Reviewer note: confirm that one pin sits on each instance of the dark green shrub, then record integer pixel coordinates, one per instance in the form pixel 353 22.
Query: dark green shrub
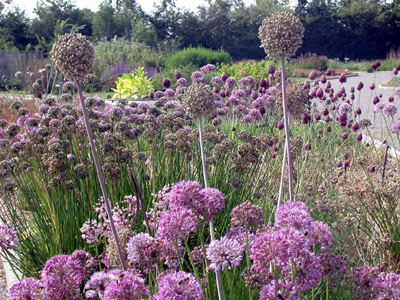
pixel 197 57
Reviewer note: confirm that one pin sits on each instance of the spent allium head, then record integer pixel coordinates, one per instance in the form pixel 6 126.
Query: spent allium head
pixel 199 100
pixel 129 287
pixel 281 34
pixel 293 214
pixel 26 289
pixel 178 286
pixel 247 215
pixel 176 224
pixel 73 55
pixel 8 237
pixel 226 252
pixel 390 110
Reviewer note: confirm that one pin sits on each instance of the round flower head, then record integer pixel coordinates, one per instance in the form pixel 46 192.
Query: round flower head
pixel 281 34
pixel 199 99
pixel 73 55
pixel 27 288
pixel 178 286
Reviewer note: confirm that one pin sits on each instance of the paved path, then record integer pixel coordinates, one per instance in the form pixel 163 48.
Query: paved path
pixel 379 129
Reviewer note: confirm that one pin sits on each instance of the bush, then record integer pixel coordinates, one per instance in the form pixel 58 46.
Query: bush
pixel 311 61
pixel 197 57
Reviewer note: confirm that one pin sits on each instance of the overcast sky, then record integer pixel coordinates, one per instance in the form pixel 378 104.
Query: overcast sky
pixel 147 5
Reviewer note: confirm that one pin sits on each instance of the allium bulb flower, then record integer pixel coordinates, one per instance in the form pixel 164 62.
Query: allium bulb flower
pixel 73 55
pixel 178 286
pixel 390 110
pixel 130 287
pixel 199 100
pixel 225 253
pixel 281 34
pixel 396 126
pixel 8 237
pixel 247 215
pixel 26 289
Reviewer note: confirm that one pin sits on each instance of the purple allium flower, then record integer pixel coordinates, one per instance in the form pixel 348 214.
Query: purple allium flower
pixel 271 69
pixel 320 234
pixel 223 253
pixel 224 77
pixel 247 215
pixel 333 267
pixel 246 119
pixel 255 114
pixel 91 230
pixel 129 287
pixel 182 82
pixel 97 284
pixel 278 290
pixel 312 75
pixel 359 137
pixel 372 86
pixel 387 286
pixel 345 108
pixel 166 83
pixel 397 92
pixel 68 85
pixel 360 86
pixel 307 146
pixel 113 112
pixel 26 289
pixel 8 237
pixel 60 280
pixel 71 156
pixel 342 78
pixel 323 79
pixel 378 107
pixel 396 126
pixel 177 75
pixel 306 85
pixel 159 94
pixel 264 83
pixel 280 125
pixel 216 80
pixel 207 68
pixel 176 224
pixel 390 110
pixel 230 83
pixel 364 278
pixel 178 286
pixel 344 136
pixel 293 214
pixel 197 77
pixel 170 93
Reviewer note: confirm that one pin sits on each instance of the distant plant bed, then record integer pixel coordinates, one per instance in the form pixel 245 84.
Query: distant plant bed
pixel 134 85
pixel 395 82
pixel 311 61
pixel 197 57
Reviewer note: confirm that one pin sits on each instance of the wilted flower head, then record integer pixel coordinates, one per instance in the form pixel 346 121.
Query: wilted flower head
pixel 199 100
pixel 281 34
pixel 73 55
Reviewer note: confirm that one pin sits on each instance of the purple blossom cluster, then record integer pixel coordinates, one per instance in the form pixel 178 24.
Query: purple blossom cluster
pixel 8 238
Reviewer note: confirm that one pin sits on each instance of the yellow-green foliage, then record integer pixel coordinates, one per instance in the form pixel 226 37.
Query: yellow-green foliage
pixel 134 85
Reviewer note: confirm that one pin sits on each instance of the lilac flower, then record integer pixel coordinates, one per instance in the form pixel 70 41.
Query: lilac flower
pixel 396 126
pixel 390 110
pixel 8 238
pixel 97 284
pixel 26 289
pixel 230 83
pixel 178 286
pixel 378 108
pixel 293 214
pixel 224 253
pixel 176 224
pixel 207 68
pixel 345 108
pixel 197 77
pixel 129 287
pixel 247 215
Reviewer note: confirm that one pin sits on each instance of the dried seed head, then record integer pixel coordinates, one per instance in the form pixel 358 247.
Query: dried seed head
pixel 73 55
pixel 281 34
pixel 199 100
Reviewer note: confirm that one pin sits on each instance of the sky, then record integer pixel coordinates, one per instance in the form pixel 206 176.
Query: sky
pixel 146 5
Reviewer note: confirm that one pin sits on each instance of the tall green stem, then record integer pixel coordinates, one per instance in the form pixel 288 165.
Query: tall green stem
pixel 203 162
pixel 99 173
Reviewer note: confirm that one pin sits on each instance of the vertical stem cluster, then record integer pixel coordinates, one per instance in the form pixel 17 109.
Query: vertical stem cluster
pixel 287 153
pixel 203 162
pixel 99 173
